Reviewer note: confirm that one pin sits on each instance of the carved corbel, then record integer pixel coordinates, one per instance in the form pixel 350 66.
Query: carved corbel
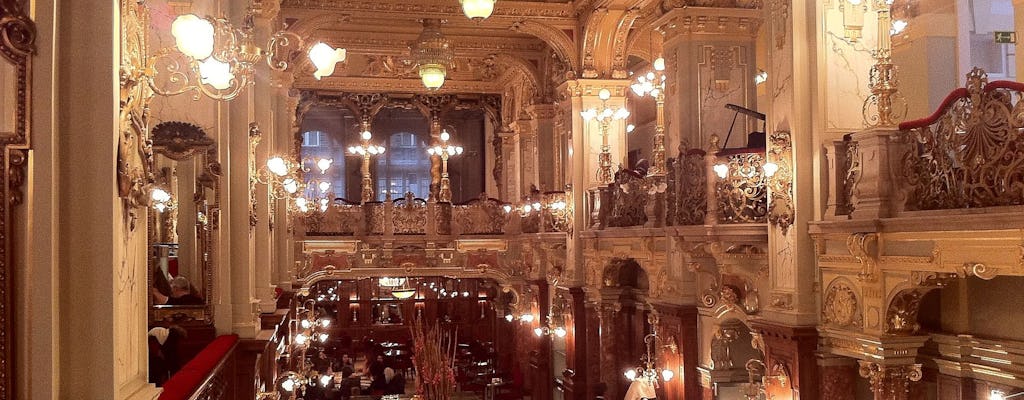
pixel 979 270
pixel 864 247
pixel 710 295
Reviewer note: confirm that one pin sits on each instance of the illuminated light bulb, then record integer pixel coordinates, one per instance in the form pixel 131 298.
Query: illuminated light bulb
pixel 432 75
pixel 630 374
pixel 288 385
pixel 458 149
pixel 216 73
pixel 621 113
pixel 366 135
pixel 630 128
pixel 445 136
pixel 721 170
pixel 507 209
pixel 323 337
pixel 650 76
pixel 160 195
pixel 560 332
pixel 667 374
pixel 160 207
pixel 324 164
pixel 193 36
pixel 527 318
pixel 465 294
pixel 300 339
pixel 509 317
pixel 325 323
pixel 588 114
pixel 300 202
pixel 451 151
pixel 325 380
pixel 477 10
pixel 324 58
pixel 761 77
pixel 306 324
pixel 659 64
pixel 277 166
pixel 604 94
pixel 538 332
pixel 324 186
pixel 527 208
pixel 770 169
pixel 290 185
pixel 898 26
pixel 638 88
pixel 536 206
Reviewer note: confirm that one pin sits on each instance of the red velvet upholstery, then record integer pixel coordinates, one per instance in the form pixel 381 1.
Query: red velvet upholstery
pixel 957 95
pixel 187 380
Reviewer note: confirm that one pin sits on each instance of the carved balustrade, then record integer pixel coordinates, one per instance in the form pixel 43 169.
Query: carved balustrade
pixel 409 216
pixel 968 154
pixel 740 197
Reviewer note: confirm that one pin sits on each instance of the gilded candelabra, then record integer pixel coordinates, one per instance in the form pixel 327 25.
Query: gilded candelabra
pixel 366 150
pixel 605 116
pixel 445 150
pixel 885 106
pixel 653 84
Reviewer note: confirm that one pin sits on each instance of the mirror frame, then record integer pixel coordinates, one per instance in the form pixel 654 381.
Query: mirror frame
pixel 181 141
pixel 17 46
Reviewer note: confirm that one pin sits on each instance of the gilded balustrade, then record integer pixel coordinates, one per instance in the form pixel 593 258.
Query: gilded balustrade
pixel 742 194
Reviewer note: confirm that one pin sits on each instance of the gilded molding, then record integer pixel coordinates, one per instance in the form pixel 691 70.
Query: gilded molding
pixel 890 381
pixel 710 20
pixel 864 247
pixel 841 307
pixel 17 46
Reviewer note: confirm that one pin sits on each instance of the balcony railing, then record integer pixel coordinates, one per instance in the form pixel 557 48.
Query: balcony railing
pixel 969 154
pixel 411 216
pixel 738 193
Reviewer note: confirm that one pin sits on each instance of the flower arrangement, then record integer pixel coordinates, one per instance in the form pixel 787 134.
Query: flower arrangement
pixel 434 358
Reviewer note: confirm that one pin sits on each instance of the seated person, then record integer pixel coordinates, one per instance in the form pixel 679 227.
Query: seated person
pixel 164 360
pixel 181 294
pixel 394 382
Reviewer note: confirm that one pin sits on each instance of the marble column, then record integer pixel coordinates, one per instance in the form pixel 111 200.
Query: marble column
pixel 838 378
pixel 526 148
pixel 547 146
pixel 890 382
pixel 99 291
pixel 263 102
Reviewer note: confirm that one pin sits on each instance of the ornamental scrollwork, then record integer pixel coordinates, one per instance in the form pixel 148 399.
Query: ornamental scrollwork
pixel 971 155
pixel 742 194
pixel 690 179
pixel 889 381
pixel 901 315
pixel 410 215
pixel 629 197
pixel 480 216
pixel 134 150
pixel 841 308
pixel 780 205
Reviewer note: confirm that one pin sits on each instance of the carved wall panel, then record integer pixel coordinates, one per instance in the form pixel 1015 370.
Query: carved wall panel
pixel 629 196
pixel 410 215
pixel 743 194
pixel 841 307
pixel 17 45
pixel 690 177
pixel 480 216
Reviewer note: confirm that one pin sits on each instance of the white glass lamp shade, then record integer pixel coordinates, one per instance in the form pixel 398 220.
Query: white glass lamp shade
pixel 277 166
pixel 638 89
pixel 898 26
pixel 306 324
pixel 509 317
pixel 630 128
pixel 432 75
pixel 721 170
pixel 301 339
pixel 770 169
pixel 621 113
pixel 526 318
pixel 667 374
pixel 160 195
pixel 324 58
pixel 588 114
pixel 288 385
pixel 325 380
pixel 659 64
pixel 324 186
pixel 996 395
pixel 604 94
pixel 445 136
pixel 538 331
pixel 560 332
pixel 324 164
pixel 366 135
pixel 290 185
pixel 630 374
pixel 323 337
pixel 216 73
pixel 193 36
pixel 477 10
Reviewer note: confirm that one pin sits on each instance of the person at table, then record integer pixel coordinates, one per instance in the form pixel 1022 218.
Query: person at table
pixel 376 368
pixel 181 294
pixel 394 382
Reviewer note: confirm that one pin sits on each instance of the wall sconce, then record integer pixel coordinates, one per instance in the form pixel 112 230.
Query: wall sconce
pixel 1000 395
pixel 162 199
pixel 219 58
pixel 853 17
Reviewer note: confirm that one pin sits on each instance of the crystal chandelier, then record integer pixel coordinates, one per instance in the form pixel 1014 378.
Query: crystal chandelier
pixel 477 10
pixel 433 54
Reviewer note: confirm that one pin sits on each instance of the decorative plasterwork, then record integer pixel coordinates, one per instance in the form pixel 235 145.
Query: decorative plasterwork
pixel 890 381
pixel 355 84
pixel 710 20
pixel 134 150
pixel 17 45
pixel 436 8
pixel 841 307
pixel 180 140
pixel 864 247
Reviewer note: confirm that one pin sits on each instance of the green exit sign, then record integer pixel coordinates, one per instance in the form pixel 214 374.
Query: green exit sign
pixel 1005 37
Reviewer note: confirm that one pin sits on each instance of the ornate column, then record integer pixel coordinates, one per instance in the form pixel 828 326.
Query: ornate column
pixel 548 147
pixel 263 98
pixel 838 378
pixel 890 382
pixel 435 160
pixel 679 345
pixel 611 338
pixel 529 159
pixel 512 166
pixel 540 357
pixel 578 343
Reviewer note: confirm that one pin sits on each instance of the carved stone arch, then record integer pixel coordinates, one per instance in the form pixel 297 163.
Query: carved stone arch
pixel 518 68
pixel 591 35
pixel 841 305
pixel 619 40
pixel 625 272
pixel 645 41
pixel 559 41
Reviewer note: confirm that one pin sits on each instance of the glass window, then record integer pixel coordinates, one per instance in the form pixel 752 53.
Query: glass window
pixel 312 138
pixel 405 167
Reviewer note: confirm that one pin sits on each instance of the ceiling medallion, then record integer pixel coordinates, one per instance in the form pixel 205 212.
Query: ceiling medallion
pixel 433 54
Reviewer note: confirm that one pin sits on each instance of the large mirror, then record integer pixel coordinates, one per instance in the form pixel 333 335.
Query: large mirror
pixel 8 98
pixel 182 221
